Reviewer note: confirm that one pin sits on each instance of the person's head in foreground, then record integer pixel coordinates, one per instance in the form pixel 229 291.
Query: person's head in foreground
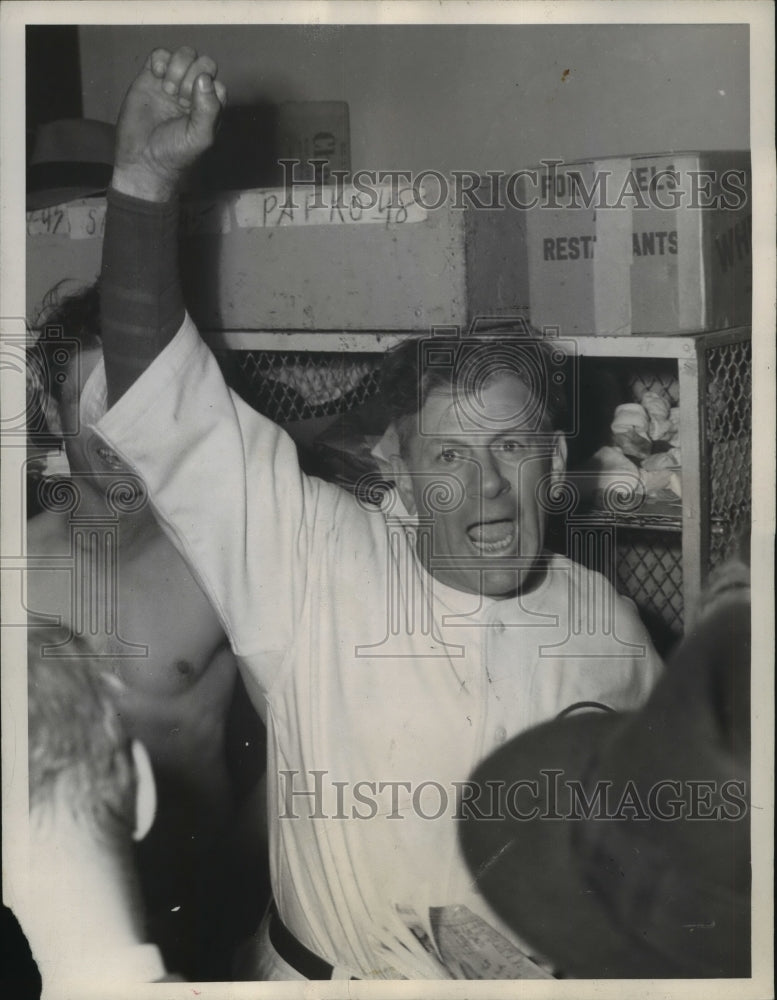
pixel 479 443
pixel 91 794
pixel 68 349
pixel 630 856
pixel 61 360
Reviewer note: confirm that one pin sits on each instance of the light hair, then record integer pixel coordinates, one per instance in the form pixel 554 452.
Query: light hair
pixel 79 751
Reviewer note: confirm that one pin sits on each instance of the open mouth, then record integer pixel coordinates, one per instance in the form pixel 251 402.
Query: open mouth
pixel 492 537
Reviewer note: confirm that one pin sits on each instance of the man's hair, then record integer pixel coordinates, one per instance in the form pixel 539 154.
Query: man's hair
pixel 418 367
pixel 79 752
pixel 74 318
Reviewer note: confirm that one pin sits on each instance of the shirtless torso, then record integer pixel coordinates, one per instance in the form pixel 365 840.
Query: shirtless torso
pixel 166 645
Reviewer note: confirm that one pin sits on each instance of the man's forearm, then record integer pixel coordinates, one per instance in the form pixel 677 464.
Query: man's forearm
pixel 167 120
pixel 140 294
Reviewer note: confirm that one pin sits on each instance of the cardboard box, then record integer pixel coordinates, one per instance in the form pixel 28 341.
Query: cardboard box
pixel 249 263
pixel 63 251
pixel 649 244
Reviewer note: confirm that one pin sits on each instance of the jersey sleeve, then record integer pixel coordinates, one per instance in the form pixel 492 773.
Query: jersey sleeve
pixel 226 487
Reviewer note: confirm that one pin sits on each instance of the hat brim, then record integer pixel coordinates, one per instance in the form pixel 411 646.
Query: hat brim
pixel 528 869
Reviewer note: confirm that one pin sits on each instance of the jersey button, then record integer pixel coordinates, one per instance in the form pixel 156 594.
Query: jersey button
pixel 500 734
pixel 499 627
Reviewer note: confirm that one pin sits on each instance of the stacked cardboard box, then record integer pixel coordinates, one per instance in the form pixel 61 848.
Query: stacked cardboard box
pixel 649 244
pixel 317 260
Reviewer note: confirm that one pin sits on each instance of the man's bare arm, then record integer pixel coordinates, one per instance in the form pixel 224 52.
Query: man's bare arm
pixel 167 120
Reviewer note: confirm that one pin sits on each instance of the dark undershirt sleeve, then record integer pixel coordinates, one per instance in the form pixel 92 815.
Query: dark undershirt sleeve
pixel 141 303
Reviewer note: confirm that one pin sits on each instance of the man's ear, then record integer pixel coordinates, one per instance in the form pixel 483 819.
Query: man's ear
pixel 145 795
pixel 558 462
pixel 402 480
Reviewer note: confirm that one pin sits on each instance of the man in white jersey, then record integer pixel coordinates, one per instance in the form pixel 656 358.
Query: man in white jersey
pixel 389 649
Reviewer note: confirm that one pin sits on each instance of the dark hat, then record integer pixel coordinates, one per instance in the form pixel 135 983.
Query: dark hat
pixel 630 857
pixel 72 158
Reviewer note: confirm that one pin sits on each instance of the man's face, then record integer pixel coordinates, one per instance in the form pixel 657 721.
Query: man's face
pixel 483 449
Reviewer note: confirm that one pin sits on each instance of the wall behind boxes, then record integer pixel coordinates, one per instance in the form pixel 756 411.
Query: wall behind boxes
pixel 483 97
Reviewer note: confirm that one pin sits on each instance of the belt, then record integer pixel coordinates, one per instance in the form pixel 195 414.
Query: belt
pixel 293 951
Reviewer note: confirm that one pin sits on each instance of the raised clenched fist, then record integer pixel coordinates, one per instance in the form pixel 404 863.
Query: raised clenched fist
pixel 167 120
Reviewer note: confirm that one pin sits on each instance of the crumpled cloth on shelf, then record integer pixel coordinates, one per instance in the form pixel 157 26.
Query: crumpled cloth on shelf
pixel 638 428
pixel 630 430
pixel 609 468
pixel 661 471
